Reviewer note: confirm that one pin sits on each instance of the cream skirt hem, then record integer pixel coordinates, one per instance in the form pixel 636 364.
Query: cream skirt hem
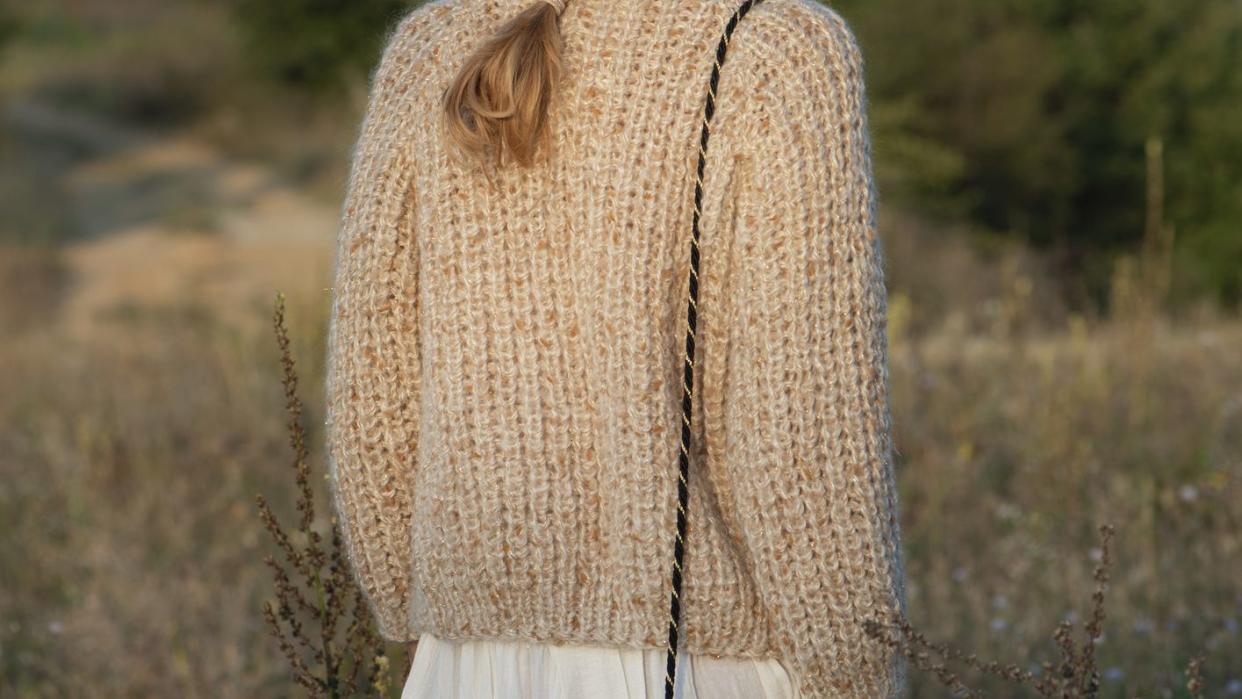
pixel 489 669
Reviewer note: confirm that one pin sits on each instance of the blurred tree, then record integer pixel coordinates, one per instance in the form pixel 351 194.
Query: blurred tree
pixel 1030 118
pixel 317 45
pixel 8 24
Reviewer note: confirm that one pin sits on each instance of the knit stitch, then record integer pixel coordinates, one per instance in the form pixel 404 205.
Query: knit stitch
pixel 505 347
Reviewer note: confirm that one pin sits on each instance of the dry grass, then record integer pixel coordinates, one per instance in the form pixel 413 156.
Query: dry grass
pixel 1013 444
pixel 1076 675
pixel 134 564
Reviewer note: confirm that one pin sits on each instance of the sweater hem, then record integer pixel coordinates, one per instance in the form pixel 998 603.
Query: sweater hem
pixel 561 637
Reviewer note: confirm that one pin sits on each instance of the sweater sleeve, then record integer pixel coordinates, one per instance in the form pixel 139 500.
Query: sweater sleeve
pixel 372 367
pixel 800 416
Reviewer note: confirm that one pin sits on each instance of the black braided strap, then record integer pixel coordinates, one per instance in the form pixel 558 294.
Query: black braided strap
pixel 683 489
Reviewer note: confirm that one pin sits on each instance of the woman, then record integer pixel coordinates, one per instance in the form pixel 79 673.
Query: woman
pixel 507 338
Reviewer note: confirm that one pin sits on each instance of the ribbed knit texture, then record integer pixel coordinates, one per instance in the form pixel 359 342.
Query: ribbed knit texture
pixel 505 347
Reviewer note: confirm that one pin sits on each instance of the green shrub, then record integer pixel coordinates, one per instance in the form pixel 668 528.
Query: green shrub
pixel 316 44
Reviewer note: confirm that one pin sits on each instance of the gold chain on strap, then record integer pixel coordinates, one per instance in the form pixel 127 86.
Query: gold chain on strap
pixel 683 490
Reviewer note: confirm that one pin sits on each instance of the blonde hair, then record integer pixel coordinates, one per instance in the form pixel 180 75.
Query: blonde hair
pixel 499 100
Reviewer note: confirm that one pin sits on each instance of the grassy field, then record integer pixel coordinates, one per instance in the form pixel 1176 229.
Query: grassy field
pixel 141 410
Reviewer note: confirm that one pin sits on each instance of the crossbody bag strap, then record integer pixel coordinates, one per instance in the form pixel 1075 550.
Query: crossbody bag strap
pixel 683 486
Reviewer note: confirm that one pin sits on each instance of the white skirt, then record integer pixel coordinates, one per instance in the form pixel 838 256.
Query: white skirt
pixel 489 669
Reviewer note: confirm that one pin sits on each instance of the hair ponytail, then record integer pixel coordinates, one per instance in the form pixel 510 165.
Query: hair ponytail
pixel 500 98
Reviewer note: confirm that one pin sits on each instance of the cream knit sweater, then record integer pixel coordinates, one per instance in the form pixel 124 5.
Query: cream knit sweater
pixel 505 349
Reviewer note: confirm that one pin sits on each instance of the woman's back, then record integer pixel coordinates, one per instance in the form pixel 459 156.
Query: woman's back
pixel 506 347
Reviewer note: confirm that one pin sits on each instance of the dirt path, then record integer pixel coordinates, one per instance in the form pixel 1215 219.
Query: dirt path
pixel 166 223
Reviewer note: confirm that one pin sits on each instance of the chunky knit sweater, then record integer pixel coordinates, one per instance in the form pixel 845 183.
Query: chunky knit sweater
pixel 506 346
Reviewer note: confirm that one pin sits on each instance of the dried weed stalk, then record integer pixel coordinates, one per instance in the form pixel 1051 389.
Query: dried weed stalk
pixel 320 618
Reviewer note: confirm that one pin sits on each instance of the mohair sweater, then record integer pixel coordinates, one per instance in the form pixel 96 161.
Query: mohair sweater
pixel 506 347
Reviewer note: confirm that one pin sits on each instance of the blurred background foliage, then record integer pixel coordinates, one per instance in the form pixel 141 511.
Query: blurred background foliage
pixel 316 44
pixel 1031 118
pixel 1061 209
